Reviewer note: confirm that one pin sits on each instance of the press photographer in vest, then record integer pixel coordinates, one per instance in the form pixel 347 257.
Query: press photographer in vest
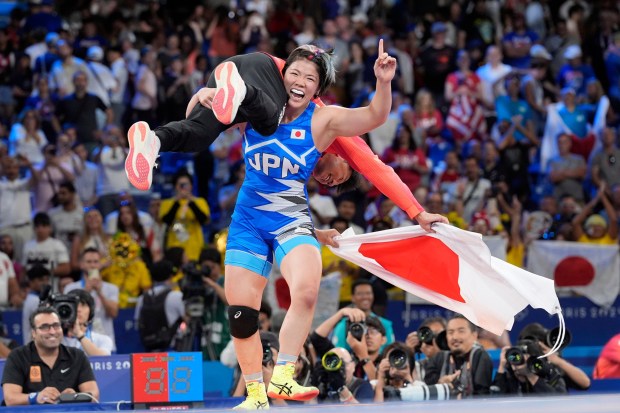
pixel 159 311
pixel 80 333
pixel 39 372
pixel 466 365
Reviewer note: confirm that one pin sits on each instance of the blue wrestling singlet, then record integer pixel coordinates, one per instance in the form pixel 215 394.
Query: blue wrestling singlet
pixel 272 213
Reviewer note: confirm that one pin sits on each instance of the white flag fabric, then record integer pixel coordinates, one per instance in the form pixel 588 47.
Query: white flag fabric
pixel 497 245
pixel 452 268
pixel 590 270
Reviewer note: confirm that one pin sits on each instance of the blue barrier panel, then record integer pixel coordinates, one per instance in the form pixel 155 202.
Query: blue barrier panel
pixel 217 379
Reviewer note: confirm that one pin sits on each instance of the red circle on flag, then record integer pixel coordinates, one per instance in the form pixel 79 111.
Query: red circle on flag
pixel 297 134
pixel 573 271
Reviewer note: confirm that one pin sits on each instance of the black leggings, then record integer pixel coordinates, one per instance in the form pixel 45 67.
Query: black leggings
pixel 262 107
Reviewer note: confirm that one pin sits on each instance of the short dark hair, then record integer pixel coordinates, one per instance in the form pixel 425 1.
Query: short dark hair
pixel 86 299
pixel 90 250
pixel 68 185
pixel 42 310
pixel 265 307
pixel 41 219
pixel 434 320
pixel 37 271
pixel 357 283
pixel 376 323
pixel 535 330
pixel 472 326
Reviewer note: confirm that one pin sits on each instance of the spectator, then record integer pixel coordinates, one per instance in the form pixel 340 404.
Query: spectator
pixel 80 335
pixel 126 270
pixel 185 215
pixel 361 298
pixel 21 80
pixel 537 86
pixel 437 61
pixel 43 101
pixel 7 57
pixel 597 230
pixel 425 120
pixel 477 27
pixel 407 159
pixel 608 364
pixel 8 247
pixel 105 295
pixel 466 364
pixel 101 81
pixel 91 235
pixel 110 159
pixel 517 378
pixel 38 282
pixel 128 222
pixel 606 162
pixel 46 250
pixel 566 170
pixel 471 190
pixel 86 176
pixel 612 65
pixel 26 137
pixel 223 34
pixel 68 217
pixel 119 71
pixel 160 229
pixel 63 71
pixel 518 43
pixel 10 295
pixel 124 198
pixel 574 74
pixel 347 209
pixel 26 361
pixel 322 207
pixel 15 204
pixel 43 63
pixel 80 109
pixel 491 75
pixel 177 90
pixel 144 101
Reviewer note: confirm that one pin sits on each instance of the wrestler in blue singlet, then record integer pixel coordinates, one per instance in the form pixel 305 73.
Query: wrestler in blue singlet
pixel 272 214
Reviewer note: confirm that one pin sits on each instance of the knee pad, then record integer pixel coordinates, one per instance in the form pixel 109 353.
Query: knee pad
pixel 243 321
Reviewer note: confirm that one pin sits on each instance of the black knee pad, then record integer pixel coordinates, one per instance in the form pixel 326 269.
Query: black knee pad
pixel 243 321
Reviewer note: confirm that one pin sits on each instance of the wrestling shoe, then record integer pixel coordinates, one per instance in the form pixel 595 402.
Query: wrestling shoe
pixel 143 151
pixel 284 387
pixel 256 399
pixel 230 92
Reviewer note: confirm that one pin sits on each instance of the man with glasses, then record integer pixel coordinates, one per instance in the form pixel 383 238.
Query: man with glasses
pixel 39 372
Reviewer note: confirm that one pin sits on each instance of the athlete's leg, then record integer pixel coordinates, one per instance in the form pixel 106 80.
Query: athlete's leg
pixel 301 268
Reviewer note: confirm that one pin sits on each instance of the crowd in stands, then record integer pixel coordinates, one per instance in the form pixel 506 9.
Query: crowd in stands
pixel 505 119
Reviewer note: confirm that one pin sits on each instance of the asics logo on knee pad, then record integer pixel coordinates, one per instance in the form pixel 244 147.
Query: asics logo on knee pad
pixel 243 321
pixel 237 314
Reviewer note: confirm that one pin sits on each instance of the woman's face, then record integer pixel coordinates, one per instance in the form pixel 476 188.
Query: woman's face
pixel 93 219
pixel 183 185
pixel 301 81
pixel 404 137
pixel 126 216
pixel 332 170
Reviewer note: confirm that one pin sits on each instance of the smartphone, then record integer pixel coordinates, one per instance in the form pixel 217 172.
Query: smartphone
pixel 92 274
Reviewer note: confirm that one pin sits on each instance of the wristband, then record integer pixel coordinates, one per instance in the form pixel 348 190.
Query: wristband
pixel 81 338
pixel 364 361
pixel 32 398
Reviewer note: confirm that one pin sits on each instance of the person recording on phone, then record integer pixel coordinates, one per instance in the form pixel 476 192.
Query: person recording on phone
pixel 522 372
pixel 80 334
pixel 365 335
pixel 45 370
pixel 104 294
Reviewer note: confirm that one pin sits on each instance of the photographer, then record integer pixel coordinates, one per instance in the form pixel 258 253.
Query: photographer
pixel 429 340
pixel 397 380
pixel 521 372
pixel 215 320
pixel 333 376
pixel 574 377
pixel 364 345
pixel 159 311
pixel 466 365
pixel 45 370
pixel 80 334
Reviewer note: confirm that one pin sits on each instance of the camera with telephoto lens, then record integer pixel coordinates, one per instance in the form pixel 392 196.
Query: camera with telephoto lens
pixel 331 361
pixel 192 284
pixel 357 330
pixel 426 336
pixel 398 359
pixel 66 307
pixel 516 357
pixel 329 376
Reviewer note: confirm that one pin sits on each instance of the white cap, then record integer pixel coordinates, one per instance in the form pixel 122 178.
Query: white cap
pixel 572 52
pixel 539 51
pixel 95 53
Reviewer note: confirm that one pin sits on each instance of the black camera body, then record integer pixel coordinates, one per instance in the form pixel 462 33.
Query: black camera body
pixel 426 336
pixel 515 356
pixel 66 305
pixel 398 359
pixel 267 353
pixel 357 330
pixel 192 284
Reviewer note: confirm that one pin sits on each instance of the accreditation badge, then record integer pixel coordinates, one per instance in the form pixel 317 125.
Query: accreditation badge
pixel 35 374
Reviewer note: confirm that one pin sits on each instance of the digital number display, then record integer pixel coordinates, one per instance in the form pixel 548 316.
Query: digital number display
pixel 166 377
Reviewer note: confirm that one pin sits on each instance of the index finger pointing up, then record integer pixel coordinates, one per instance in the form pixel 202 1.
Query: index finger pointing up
pixel 380 48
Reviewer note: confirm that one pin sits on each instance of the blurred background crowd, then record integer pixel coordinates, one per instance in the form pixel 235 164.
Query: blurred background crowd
pixel 505 119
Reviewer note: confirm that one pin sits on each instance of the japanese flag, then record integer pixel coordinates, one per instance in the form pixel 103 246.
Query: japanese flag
pixel 451 268
pixel 298 134
pixel 587 269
